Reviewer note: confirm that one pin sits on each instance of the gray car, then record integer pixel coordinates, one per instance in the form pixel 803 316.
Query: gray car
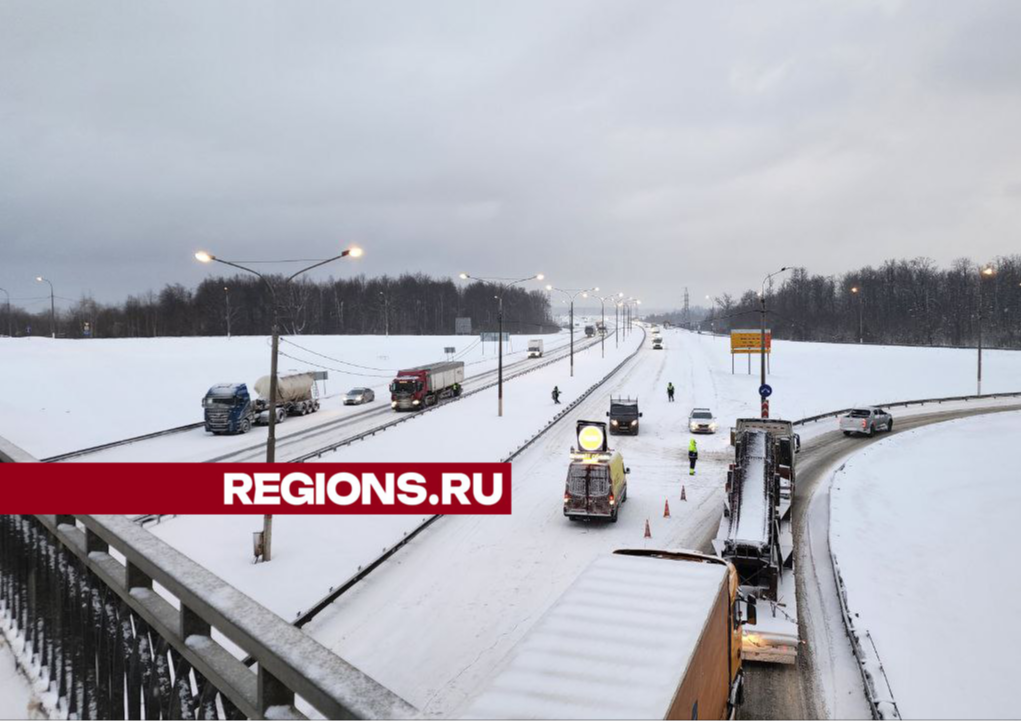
pixel 357 396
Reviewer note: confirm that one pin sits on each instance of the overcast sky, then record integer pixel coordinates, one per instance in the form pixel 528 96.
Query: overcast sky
pixel 638 146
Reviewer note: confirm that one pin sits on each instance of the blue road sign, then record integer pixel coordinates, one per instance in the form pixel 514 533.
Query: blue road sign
pixel 765 390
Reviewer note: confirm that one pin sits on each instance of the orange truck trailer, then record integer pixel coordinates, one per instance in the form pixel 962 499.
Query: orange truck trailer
pixel 639 634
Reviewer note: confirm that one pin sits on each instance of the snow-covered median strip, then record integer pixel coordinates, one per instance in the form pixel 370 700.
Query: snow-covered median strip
pixel 917 522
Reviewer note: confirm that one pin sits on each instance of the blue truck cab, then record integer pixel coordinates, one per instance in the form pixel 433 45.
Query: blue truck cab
pixel 228 409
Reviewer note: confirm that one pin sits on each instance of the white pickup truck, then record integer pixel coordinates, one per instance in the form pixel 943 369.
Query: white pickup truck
pixel 866 421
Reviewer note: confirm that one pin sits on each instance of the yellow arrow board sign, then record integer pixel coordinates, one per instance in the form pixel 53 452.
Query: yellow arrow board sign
pixel 749 341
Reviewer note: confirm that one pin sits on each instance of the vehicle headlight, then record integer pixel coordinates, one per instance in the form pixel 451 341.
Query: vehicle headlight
pixel 415 402
pixel 634 423
pixel 613 423
pixel 712 426
pixel 393 404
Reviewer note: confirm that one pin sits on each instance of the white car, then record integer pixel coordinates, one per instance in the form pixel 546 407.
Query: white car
pixel 701 420
pixel 866 421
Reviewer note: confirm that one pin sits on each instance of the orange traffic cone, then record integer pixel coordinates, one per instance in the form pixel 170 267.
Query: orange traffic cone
pixel 648 530
pixel 666 508
pixel 683 496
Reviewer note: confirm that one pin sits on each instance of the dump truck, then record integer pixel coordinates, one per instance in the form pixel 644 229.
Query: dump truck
pixel 417 388
pixel 755 533
pixel 639 634
pixel 229 408
pixel 535 348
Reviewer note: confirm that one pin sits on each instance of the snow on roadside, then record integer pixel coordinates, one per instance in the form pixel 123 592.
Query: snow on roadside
pixel 313 553
pixel 73 394
pixel 15 692
pixel 919 524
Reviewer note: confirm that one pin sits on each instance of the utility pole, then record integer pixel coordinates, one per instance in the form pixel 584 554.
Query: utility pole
pixel 226 298
pixel 271 438
pixel 571 294
pixel 861 321
pixel 504 284
pixel 762 347
pixel 10 325
pixel 53 308
pixel 987 272
pixel 687 311
pixel 386 313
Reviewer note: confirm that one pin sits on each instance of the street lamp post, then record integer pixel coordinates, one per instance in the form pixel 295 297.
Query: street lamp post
pixel 861 323
pixel 204 257
pixel 10 324
pixel 987 272
pixel 386 313
pixel 504 284
pixel 616 322
pixel 602 305
pixel 226 300
pixel 571 294
pixel 762 346
pixel 53 310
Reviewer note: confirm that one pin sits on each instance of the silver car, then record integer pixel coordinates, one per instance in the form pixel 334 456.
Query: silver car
pixel 701 420
pixel 357 396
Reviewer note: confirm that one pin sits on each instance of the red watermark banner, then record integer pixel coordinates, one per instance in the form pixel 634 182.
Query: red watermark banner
pixel 256 488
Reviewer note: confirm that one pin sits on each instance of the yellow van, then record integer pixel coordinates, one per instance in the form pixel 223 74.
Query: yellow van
pixel 596 478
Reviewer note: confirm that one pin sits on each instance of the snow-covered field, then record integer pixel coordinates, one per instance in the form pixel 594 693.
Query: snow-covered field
pixel 922 525
pixel 72 394
pixel 434 622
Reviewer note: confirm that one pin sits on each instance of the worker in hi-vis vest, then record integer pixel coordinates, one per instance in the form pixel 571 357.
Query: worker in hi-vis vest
pixel 692 456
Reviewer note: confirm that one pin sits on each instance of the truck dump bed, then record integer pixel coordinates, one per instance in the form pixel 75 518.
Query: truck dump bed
pixel 632 637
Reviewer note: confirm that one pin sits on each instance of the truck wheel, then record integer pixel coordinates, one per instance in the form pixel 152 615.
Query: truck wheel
pixel 613 518
pixel 889 426
pixel 281 415
pixel 246 425
pixel 872 430
pixel 847 433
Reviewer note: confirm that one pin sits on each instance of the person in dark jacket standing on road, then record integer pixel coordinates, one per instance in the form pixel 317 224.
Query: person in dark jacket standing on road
pixel 556 395
pixel 670 392
pixel 692 456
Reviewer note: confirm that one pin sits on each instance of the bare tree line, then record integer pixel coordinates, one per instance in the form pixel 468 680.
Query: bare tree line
pixel 911 302
pixel 411 304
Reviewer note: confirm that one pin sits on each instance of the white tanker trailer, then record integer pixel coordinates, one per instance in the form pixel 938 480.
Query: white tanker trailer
pixel 230 409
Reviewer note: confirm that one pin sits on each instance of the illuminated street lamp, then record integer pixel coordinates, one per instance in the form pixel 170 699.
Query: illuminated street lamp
pixel 571 294
pixel 205 257
pixel 861 302
pixel 53 310
pixel 504 284
pixel 987 272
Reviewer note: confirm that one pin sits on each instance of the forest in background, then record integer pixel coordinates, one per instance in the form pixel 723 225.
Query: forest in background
pixel 406 305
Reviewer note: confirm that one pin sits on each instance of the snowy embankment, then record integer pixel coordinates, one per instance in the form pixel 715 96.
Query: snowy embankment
pixel 920 524
pixel 64 395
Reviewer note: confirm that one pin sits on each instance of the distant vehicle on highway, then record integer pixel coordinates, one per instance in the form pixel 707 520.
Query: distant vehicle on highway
pixel 357 396
pixel 228 408
pixel 701 420
pixel 623 415
pixel 866 421
pixel 590 330
pixel 535 348
pixel 657 343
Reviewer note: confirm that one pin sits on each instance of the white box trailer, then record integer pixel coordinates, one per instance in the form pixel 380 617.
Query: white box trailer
pixel 639 634
pixel 535 348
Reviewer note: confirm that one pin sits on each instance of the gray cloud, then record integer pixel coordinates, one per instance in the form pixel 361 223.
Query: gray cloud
pixel 643 146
